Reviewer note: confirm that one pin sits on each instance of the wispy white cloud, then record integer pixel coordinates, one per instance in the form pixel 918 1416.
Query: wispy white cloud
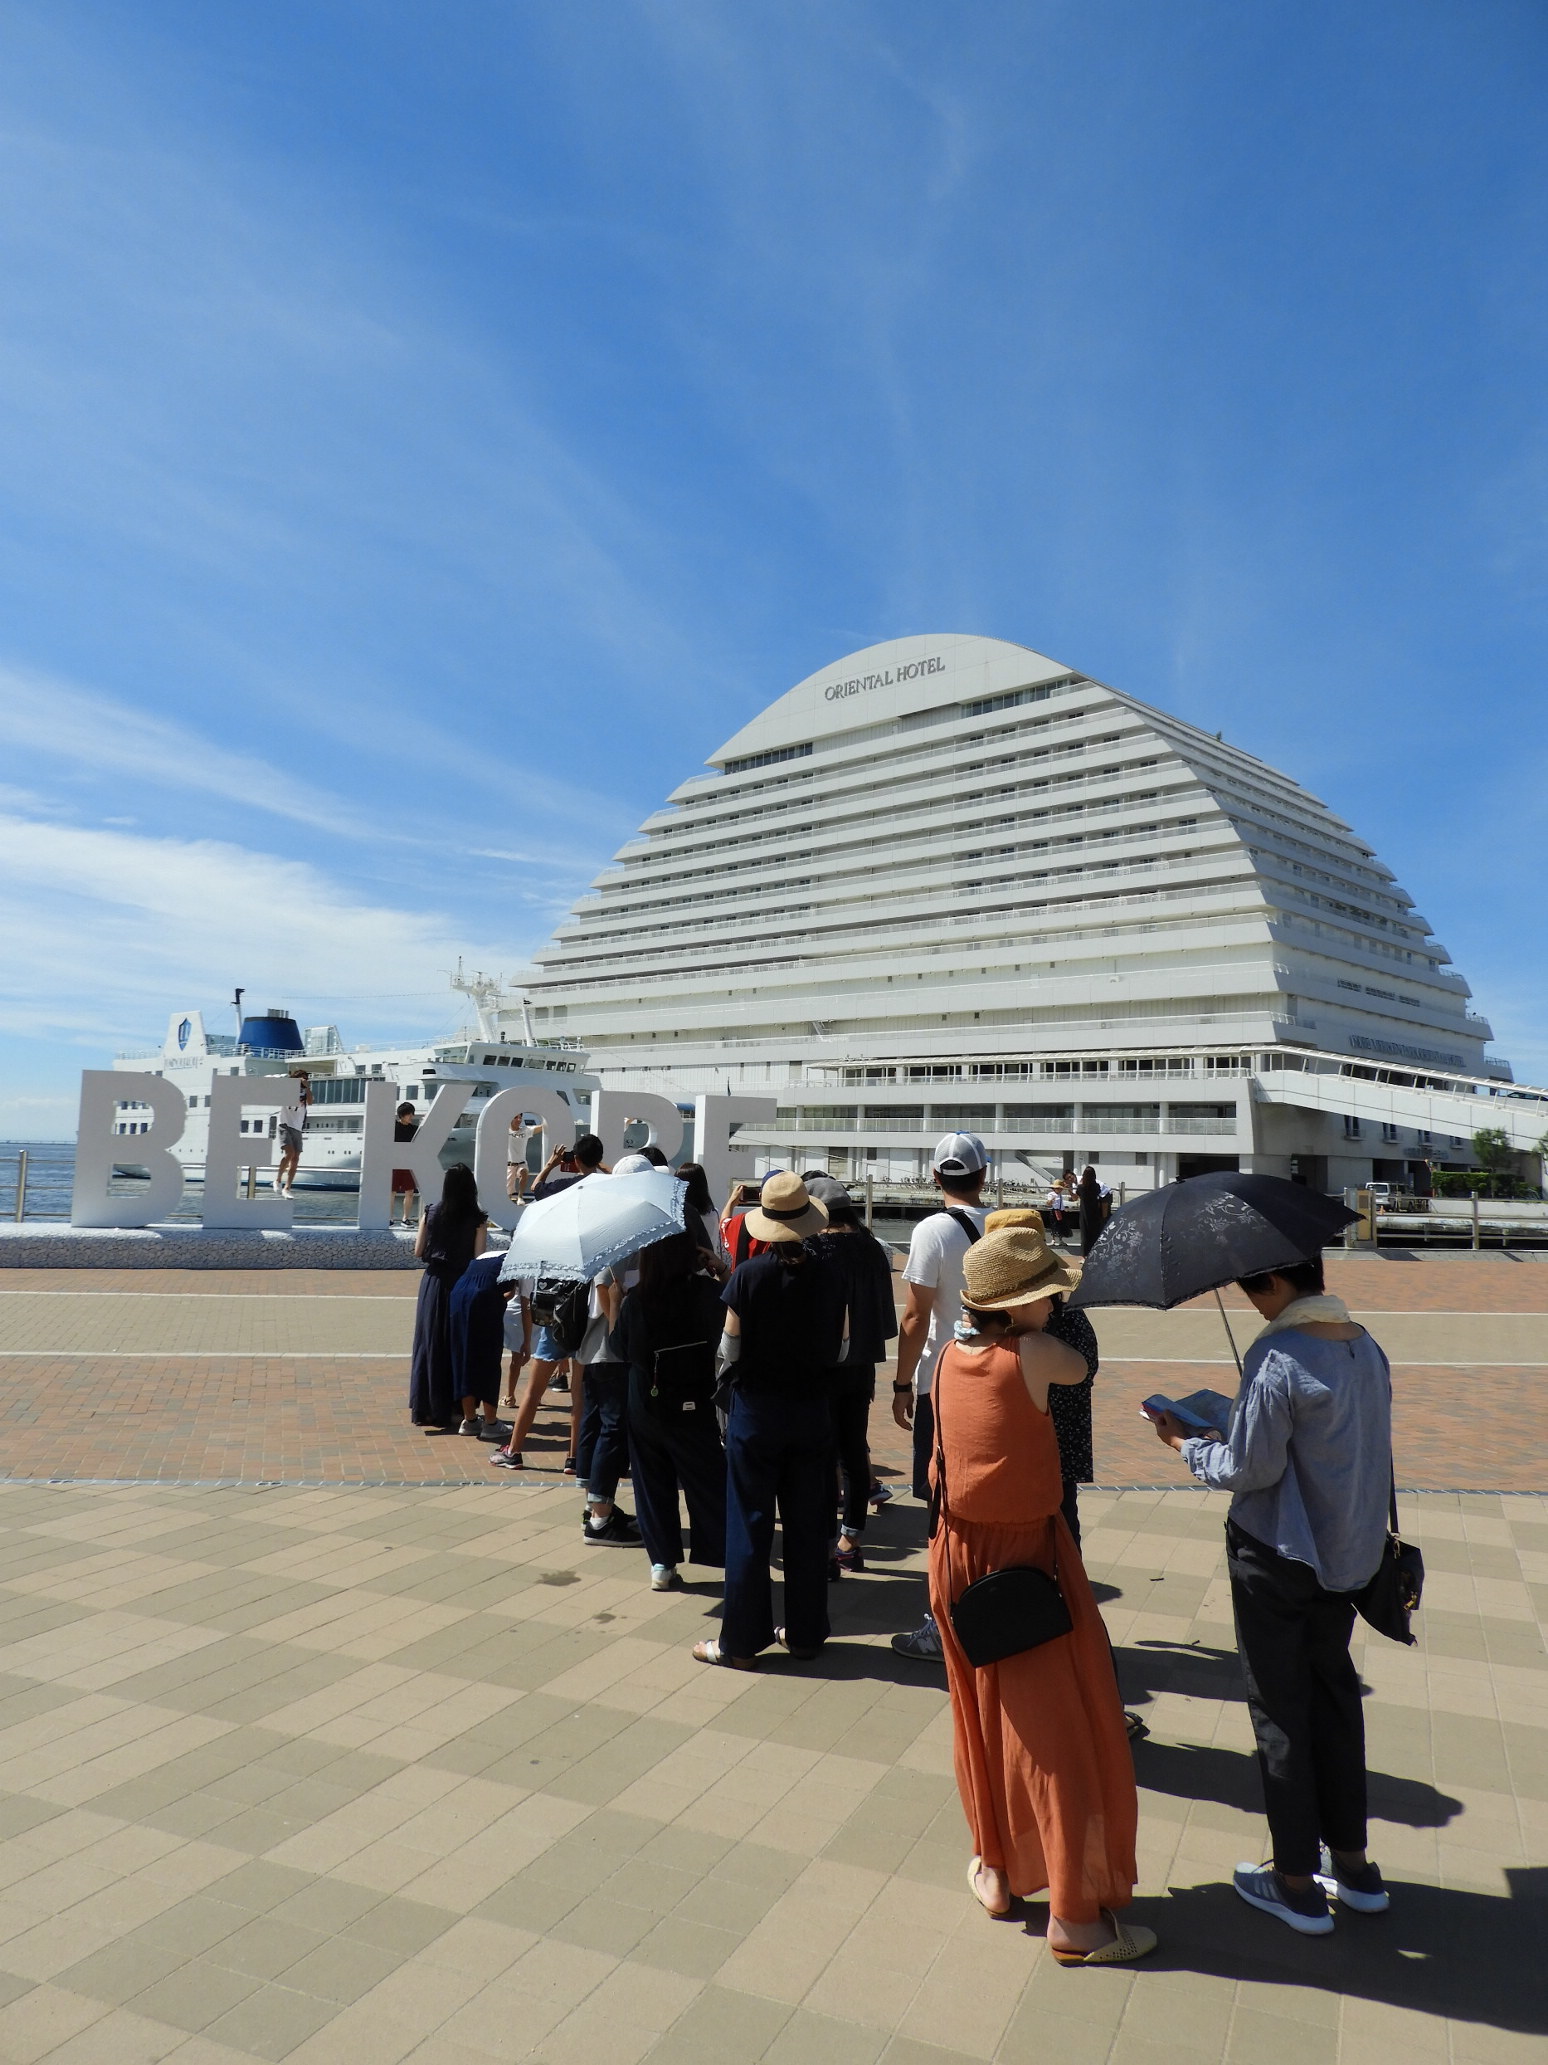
pixel 44 715
pixel 102 933
pixel 83 730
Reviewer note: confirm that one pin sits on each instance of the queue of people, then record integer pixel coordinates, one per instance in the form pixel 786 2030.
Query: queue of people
pixel 738 1390
pixel 1078 1207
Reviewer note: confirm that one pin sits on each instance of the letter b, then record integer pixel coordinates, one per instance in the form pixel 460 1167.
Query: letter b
pixel 98 1148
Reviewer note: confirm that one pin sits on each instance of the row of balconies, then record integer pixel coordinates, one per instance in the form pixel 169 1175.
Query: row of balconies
pixel 994 795
pixel 1092 1122
pixel 717 905
pixel 623 968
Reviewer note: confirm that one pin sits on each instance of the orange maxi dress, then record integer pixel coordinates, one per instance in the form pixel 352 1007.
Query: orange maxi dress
pixel 1042 1757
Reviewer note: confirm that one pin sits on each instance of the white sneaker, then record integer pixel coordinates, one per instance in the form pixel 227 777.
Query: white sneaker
pixel 664 1577
pixel 468 1427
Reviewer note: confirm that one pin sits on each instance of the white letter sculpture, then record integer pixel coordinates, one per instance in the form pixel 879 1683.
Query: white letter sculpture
pixel 230 1150
pixel 494 1132
pixel 380 1154
pixel 613 1111
pixel 98 1148
pixel 716 1118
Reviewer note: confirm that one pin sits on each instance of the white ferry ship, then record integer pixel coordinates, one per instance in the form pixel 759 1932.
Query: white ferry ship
pixel 497 1052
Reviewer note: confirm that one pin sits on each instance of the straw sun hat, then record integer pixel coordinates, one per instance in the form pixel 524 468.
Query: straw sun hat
pixel 786 1210
pixel 1014 1266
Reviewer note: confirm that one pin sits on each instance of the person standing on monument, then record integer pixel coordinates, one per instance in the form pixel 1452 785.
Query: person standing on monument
pixel 292 1127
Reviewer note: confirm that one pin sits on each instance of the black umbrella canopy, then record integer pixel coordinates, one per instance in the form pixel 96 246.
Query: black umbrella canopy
pixel 1172 1244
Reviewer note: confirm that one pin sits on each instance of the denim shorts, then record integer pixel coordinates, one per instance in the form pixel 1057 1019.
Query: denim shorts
pixel 545 1348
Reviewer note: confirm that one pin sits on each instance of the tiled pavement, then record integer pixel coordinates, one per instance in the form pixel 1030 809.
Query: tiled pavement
pixel 364 1775
pixel 303 1377
pixel 380 1774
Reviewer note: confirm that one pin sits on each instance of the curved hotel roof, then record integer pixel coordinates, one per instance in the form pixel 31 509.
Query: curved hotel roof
pixel 951 849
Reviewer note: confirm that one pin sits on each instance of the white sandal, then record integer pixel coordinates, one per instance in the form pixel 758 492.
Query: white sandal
pixel 711 1652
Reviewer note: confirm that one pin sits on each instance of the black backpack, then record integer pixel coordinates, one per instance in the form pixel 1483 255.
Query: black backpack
pixel 562 1305
pixel 682 1375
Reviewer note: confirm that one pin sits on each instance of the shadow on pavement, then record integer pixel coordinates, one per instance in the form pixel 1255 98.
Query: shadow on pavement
pixel 1184 1667
pixel 1472 1957
pixel 1199 1772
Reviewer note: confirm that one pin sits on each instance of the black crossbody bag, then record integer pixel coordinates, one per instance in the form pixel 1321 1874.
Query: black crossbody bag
pixel 1391 1599
pixel 1007 1611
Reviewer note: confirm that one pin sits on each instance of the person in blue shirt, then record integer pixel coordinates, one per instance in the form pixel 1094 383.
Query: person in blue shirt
pixel 1308 1460
pixel 477 1341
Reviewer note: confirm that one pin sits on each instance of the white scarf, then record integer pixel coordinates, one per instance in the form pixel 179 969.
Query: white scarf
pixel 1322 1309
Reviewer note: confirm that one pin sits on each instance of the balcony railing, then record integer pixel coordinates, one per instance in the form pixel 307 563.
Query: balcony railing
pixel 793 1125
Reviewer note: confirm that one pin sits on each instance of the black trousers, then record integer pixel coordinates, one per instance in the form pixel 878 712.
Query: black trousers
pixel 1303 1694
pixel 674 1447
pixel 603 1455
pixel 1069 1506
pixel 778 1455
pixel 850 1392
pixel 924 1443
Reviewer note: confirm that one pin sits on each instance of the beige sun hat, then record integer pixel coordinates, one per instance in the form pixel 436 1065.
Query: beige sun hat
pixel 786 1210
pixel 1014 1266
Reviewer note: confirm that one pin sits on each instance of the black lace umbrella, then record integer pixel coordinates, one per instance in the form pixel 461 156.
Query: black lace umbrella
pixel 1172 1244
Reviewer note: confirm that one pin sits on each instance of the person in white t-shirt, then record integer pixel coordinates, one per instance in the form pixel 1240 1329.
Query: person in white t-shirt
pixel 292 1125
pixel 933 1273
pixel 517 1174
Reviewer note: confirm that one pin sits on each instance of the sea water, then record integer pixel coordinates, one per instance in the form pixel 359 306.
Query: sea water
pixel 51 1174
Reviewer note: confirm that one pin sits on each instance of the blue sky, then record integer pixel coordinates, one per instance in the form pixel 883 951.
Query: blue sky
pixel 425 434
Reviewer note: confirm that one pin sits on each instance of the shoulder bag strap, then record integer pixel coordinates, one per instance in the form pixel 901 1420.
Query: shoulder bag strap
pixel 938 1504
pixel 962 1219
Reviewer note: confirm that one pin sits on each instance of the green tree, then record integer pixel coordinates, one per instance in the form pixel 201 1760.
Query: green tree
pixel 1492 1151
pixel 1497 1158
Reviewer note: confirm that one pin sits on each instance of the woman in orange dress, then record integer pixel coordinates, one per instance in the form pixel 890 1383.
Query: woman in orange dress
pixel 1042 1757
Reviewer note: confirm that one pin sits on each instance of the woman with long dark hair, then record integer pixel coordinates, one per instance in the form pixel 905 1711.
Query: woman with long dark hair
pixel 1094 1199
pixel 866 1268
pixel 700 1216
pixel 784 1331
pixel 667 1332
pixel 450 1234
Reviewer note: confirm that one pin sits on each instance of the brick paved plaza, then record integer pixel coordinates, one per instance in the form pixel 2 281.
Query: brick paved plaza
pixel 317 1745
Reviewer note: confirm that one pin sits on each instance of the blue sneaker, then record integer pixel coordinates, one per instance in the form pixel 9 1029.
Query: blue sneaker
pixel 1262 1887
pixel 1363 1891
pixel 923 1643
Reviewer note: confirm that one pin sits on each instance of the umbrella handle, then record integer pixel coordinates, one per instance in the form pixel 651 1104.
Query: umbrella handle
pixel 1225 1322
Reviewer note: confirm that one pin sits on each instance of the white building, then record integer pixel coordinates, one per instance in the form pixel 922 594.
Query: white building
pixel 948 882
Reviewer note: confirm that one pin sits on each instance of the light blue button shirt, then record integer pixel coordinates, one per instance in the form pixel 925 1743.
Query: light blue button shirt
pixel 1309 1453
